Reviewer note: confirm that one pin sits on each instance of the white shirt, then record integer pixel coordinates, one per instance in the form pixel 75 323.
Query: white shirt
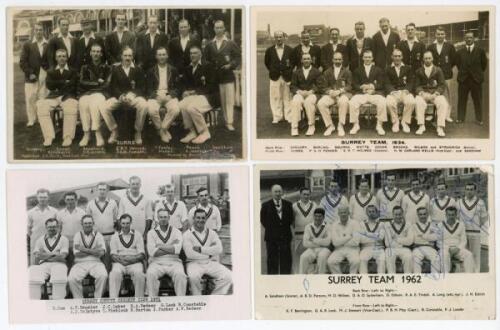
pixel 67 42
pixel 470 48
pixel 218 42
pixel 104 214
pixel 397 68
pixel 40 45
pixel 70 221
pixel 306 49
pixel 214 221
pixel 152 38
pixel 138 207
pixel 385 36
pixel 184 42
pixel 334 46
pixel 439 47
pixel 306 71
pixel 411 43
pixel 359 44
pixel 36 221
pixel 87 39
pixel 126 70
pixel 428 70
pixel 162 73
pixel 177 211
pixel 279 51
pixel 61 70
pixel 367 69
pixel 336 71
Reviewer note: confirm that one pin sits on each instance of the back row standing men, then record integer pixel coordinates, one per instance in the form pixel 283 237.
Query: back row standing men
pixel 431 85
pixel 40 58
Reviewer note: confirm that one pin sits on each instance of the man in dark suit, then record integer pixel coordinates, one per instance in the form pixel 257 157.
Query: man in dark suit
pixel 62 82
pixel 278 61
pixel 412 49
pixel 127 88
pixel 334 45
pixel 225 55
pixel 33 62
pixel 304 89
pixel 399 90
pixel 384 42
pixel 178 47
pixel 335 86
pixel 444 57
pixel 368 82
pixel 276 216
pixel 147 44
pixel 162 90
pixel 120 38
pixel 63 40
pixel 199 96
pixel 429 88
pixel 306 46
pixel 471 63
pixel 356 46
pixel 84 44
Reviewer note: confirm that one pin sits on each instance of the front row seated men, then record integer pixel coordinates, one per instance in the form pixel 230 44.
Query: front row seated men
pixel 62 84
pixel 439 243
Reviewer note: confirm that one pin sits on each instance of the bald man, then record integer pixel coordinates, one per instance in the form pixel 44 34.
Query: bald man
pixel 276 216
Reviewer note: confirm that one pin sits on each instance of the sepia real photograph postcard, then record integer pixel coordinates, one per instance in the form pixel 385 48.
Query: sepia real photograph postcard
pixel 374 242
pixel 131 83
pixel 128 245
pixel 356 83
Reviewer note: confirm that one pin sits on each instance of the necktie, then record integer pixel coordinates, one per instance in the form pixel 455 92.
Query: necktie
pixel 469 49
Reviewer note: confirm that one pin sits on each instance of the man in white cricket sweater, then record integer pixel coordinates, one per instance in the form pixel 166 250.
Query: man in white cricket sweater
pixel 397 242
pixel 316 241
pixel 303 214
pixel 164 245
pixel 372 242
pixel 202 247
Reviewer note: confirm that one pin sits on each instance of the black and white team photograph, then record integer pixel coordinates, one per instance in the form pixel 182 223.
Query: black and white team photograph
pixel 393 73
pixel 129 83
pixel 432 221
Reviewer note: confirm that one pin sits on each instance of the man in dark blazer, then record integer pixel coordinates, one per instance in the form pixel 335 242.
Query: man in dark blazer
pixel 225 55
pixel 368 82
pixel 120 38
pixel 444 57
pixel 429 88
pixel 33 62
pixel 471 63
pixel 334 45
pixel 306 46
pixel 304 88
pixel 413 50
pixel 127 88
pixel 178 47
pixel 356 46
pixel 198 97
pixel 276 216
pixel 85 43
pixel 162 90
pixel 335 85
pixel 384 42
pixel 278 60
pixel 400 86
pixel 63 40
pixel 147 43
pixel 62 82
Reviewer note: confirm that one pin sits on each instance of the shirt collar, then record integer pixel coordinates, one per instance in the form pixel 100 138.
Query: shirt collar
pixel 65 67
pixel 197 64
pixel 385 34
pixel 149 32
pixel 368 66
pixel 331 42
pixel 414 40
pixel 131 65
pixel 92 36
pixel 223 38
pixel 116 29
pixel 400 66
pixel 280 47
pixel 322 224
pixel 129 233
pixel 362 39
pixel 428 68
pixel 44 41
pixel 435 41
pixel 61 36
pixel 185 38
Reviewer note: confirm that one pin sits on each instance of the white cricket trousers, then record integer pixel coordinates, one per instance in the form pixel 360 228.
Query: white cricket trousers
pixel 279 98
pixel 441 109
pixel 70 112
pixel 139 104
pixel 217 272
pixel 34 91
pixel 80 270
pixel 173 269
pixel 368 253
pixel 116 277
pixel 474 246
pixel 403 253
pixel 193 109
pixel 90 111
pixel 339 254
pixel 359 99
pixel 429 253
pixel 396 98
pixel 227 92
pixel 172 111
pixel 38 274
pixel 307 259
pixel 308 104
pixel 326 102
pixel 464 255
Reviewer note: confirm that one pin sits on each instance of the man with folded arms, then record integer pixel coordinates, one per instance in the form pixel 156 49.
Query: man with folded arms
pixel 127 89
pixel 164 245
pixel 198 98
pixel 88 248
pixel 335 85
pixel 316 241
pixel 162 82
pixel 368 81
pixel 127 254
pixel 62 84
pixel 399 89
pixel 429 88
pixel 424 234
pixel 304 88
pixel 203 248
pixel 397 242
pixel 213 220
pixel 345 239
pixel 371 237
pixel 94 81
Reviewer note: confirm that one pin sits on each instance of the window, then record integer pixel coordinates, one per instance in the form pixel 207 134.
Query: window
pixel 190 184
